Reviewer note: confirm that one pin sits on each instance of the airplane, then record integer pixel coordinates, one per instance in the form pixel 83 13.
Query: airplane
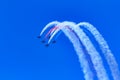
pixel 38 36
pixel 43 41
pixel 54 41
pixel 49 37
pixel 47 45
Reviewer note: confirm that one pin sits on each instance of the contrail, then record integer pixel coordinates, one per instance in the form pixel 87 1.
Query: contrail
pixel 77 36
pixel 49 25
pixel 77 46
pixel 105 49
pixel 96 59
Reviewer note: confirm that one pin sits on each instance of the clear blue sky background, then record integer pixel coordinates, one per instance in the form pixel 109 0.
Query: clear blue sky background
pixel 24 57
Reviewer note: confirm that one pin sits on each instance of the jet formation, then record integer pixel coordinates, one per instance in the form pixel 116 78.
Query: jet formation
pixel 44 42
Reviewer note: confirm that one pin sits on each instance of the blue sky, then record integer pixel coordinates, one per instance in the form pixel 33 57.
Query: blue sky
pixel 24 57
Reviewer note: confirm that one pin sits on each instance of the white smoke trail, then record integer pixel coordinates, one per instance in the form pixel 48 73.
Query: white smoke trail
pixel 96 59
pixel 105 49
pixel 91 50
pixel 88 75
pixel 49 25
pixel 57 30
pixel 54 33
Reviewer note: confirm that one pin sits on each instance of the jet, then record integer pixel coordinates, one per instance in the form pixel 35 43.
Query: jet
pixel 54 41
pixel 47 45
pixel 38 36
pixel 49 37
pixel 43 41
